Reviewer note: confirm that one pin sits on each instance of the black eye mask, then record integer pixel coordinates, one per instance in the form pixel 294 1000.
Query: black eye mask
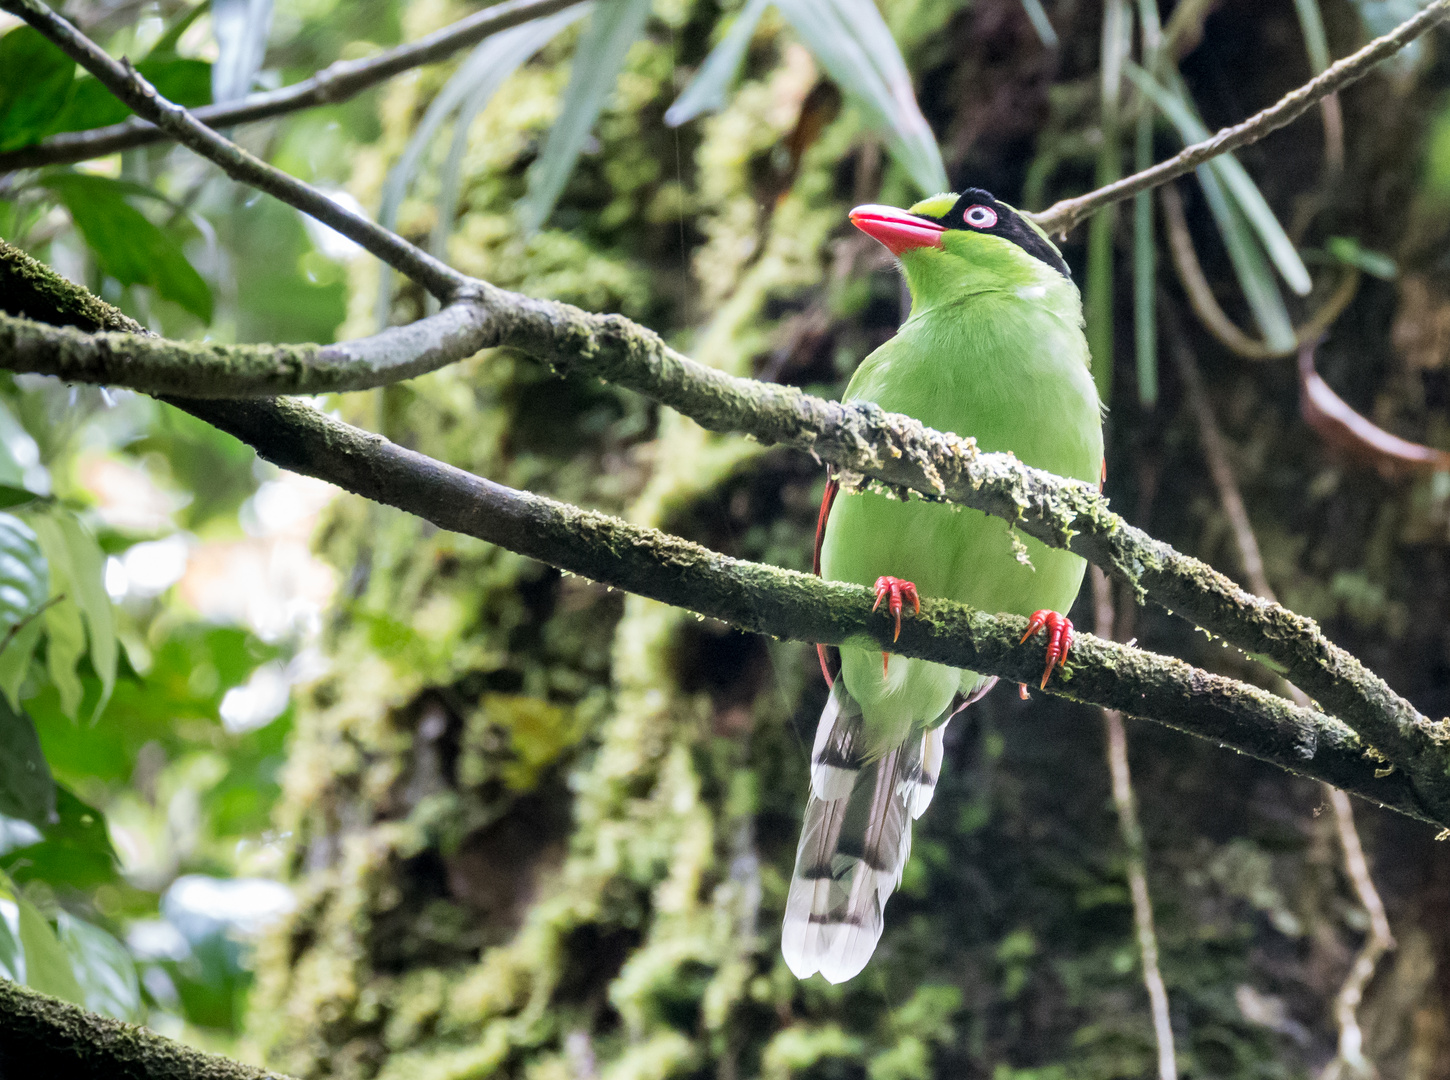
pixel 1008 225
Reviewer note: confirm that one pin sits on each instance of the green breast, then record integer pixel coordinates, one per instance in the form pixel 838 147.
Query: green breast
pixel 1007 371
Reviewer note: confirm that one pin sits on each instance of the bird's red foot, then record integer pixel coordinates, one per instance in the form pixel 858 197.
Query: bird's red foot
pixel 895 592
pixel 1059 639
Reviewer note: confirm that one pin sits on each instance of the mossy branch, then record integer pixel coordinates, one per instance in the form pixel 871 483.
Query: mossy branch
pixel 44 1036
pixel 857 437
pixel 888 448
pixel 752 596
pixel 206 369
pixel 788 604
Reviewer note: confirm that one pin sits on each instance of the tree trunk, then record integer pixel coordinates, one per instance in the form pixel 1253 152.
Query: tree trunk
pixel 542 829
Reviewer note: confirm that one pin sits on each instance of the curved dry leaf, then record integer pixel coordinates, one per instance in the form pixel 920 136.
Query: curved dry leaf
pixel 1353 435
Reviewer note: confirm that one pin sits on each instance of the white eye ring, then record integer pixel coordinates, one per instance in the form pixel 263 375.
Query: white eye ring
pixel 980 217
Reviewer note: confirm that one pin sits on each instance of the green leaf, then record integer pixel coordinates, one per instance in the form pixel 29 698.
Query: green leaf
pixel 1174 103
pixel 475 81
pixel 706 91
pixel 167 42
pixel 613 28
pixel 1255 278
pixel 851 40
pixel 1349 251
pixel 74 849
pixel 75 556
pixel 65 644
pixel 91 105
pixel 19 482
pixel 240 28
pixel 1311 25
pixel 1145 273
pixel 15 660
pixel 26 788
pixel 37 80
pixel 126 244
pixel 47 967
pixel 12 478
pixel 1037 16
pixel 202 460
pixel 103 969
pixel 24 572
pixel 12 958
pixel 486 70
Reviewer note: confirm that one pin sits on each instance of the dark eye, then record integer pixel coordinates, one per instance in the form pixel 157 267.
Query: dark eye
pixel 980 217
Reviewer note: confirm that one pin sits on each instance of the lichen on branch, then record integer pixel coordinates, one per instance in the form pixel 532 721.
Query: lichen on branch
pixel 765 599
pixel 858 437
pixel 44 1036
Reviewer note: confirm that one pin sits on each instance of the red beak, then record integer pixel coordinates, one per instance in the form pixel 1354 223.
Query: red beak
pixel 897 230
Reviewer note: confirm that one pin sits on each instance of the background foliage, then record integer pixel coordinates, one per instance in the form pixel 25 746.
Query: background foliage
pixel 529 827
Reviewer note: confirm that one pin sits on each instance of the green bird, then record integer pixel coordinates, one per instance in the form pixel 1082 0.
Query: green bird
pixel 993 349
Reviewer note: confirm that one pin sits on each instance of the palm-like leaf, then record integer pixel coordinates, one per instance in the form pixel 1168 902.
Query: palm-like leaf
pixel 477 79
pixel 1173 102
pixel 612 29
pixel 851 40
pixel 707 89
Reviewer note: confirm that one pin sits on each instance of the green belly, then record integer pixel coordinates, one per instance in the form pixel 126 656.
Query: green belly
pixel 1016 383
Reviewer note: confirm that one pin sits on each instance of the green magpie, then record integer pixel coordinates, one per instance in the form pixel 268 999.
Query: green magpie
pixel 993 348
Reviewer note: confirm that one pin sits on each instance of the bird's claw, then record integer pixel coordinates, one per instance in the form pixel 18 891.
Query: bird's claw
pixel 1059 638
pixel 895 592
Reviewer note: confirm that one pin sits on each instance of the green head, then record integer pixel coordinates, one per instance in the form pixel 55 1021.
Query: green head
pixel 951 246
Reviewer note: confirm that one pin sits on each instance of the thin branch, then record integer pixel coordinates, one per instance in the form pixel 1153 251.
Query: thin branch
pixel 863 440
pixel 337 82
pixel 1062 217
pixel 1135 849
pixel 1205 304
pixel 141 97
pixel 44 1036
pixel 1350 1053
pixel 156 365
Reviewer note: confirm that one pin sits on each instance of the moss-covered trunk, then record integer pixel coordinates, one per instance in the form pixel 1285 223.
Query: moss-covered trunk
pixel 540 829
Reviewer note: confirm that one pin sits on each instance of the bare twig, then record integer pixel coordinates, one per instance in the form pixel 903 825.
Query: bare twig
pixel 1136 850
pixel 1205 305
pixel 141 97
pixel 1062 217
pixel 1350 1053
pixel 337 82
pixel 23 623
pixel 156 365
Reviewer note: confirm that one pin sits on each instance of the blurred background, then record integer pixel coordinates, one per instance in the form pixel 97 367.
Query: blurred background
pixel 344 794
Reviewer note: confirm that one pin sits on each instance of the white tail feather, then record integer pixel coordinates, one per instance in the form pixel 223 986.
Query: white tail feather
pixel 833 765
pixel 934 748
pixel 854 842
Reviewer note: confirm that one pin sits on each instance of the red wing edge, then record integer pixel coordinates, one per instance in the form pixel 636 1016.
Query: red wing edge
pixel 830 658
